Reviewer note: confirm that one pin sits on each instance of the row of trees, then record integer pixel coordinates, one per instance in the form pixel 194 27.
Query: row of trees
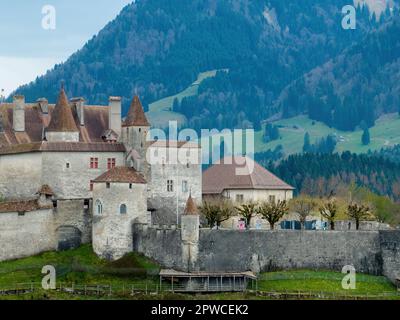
pixel 218 211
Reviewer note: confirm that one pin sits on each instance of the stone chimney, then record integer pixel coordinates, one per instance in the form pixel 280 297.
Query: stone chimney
pixel 79 103
pixel 19 113
pixel 114 115
pixel 43 104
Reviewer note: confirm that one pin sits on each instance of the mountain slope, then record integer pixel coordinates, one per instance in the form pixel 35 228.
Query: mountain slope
pixel 157 48
pixel 360 84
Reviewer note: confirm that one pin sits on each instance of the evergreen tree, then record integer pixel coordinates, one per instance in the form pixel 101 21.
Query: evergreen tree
pixel 366 139
pixel 307 143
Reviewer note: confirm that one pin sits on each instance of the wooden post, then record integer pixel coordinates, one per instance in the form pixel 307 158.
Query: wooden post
pixel 172 284
pixel 234 282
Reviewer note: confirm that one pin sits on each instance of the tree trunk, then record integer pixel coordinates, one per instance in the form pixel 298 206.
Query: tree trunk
pixel 332 225
pixel 357 224
pixel 272 226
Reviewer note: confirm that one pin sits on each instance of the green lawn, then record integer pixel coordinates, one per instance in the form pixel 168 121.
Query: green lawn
pixel 324 281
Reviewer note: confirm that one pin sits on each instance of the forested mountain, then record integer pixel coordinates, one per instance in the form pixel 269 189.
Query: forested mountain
pixel 157 48
pixel 329 174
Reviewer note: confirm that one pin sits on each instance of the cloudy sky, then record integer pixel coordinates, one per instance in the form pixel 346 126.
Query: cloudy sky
pixel 27 50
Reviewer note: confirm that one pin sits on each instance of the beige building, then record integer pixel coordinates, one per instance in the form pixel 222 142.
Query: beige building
pixel 242 180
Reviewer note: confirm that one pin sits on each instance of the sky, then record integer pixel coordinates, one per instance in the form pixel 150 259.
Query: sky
pixel 28 50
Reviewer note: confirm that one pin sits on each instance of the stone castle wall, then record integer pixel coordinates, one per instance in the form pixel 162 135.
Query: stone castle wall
pixel 26 235
pixel 67 226
pixel 371 252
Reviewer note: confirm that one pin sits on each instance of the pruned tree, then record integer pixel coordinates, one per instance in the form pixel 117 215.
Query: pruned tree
pixel 273 211
pixel 358 213
pixel 303 206
pixel 216 212
pixel 247 211
pixel 329 211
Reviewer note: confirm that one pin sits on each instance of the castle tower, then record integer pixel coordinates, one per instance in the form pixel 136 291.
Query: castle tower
pixel 135 128
pixel 190 233
pixel 119 200
pixel 62 126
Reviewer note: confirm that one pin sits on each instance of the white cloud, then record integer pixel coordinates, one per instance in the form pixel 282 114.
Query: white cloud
pixel 16 71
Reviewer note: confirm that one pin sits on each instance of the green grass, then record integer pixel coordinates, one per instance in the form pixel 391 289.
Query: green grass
pixel 324 281
pixel 79 266
pixel 384 133
pixel 160 112
pixel 82 267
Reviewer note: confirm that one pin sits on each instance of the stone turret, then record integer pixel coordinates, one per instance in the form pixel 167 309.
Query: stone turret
pixel 135 128
pixel 119 200
pixel 190 233
pixel 19 113
pixel 62 126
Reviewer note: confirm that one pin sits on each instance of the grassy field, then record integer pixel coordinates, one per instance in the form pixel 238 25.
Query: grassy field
pixel 82 268
pixel 384 133
pixel 325 281
pixel 160 112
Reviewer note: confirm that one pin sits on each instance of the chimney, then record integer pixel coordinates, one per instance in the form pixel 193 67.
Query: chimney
pixel 79 103
pixel 114 115
pixel 43 105
pixel 19 113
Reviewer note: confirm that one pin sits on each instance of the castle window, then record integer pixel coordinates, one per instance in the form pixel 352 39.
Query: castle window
pixel 21 213
pixel 170 185
pixel 99 207
pixel 123 209
pixel 55 204
pixel 94 163
pixel 86 203
pixel 185 186
pixel 67 165
pixel 272 199
pixel 111 162
pixel 239 198
pixel 130 186
pixel 188 165
pixel 108 185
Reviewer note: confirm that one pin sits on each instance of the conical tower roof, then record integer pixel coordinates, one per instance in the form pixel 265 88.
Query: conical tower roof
pixel 136 116
pixel 62 119
pixel 191 208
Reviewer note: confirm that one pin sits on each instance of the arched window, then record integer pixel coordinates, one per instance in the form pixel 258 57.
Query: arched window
pixel 98 207
pixel 122 209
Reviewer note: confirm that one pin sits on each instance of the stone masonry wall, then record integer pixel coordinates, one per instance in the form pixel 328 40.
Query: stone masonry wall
pixel 371 252
pixel 26 235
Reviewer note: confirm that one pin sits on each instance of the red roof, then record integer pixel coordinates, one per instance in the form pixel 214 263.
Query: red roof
pixel 240 173
pixel 62 119
pixel 191 208
pixel 136 116
pixel 121 175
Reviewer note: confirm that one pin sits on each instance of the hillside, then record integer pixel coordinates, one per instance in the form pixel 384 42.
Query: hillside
pixel 292 130
pixel 157 49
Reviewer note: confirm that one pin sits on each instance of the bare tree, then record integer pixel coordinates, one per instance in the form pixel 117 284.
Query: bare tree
pixel 216 212
pixel 303 206
pixel 247 211
pixel 358 212
pixel 329 211
pixel 273 211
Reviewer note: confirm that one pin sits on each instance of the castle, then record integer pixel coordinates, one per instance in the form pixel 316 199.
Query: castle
pixel 73 173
